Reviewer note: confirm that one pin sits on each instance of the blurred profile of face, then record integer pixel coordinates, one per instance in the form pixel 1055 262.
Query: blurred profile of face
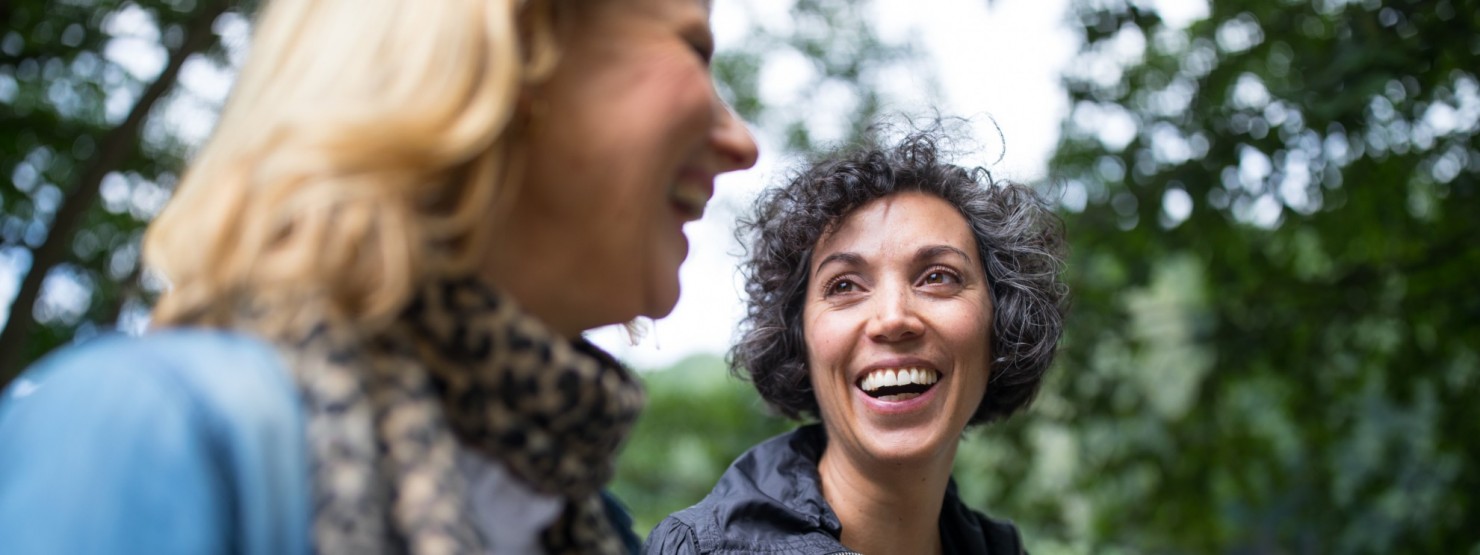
pixel 896 321
pixel 625 142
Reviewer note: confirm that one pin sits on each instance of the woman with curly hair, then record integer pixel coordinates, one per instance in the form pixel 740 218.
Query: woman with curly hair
pixel 898 299
pixel 380 266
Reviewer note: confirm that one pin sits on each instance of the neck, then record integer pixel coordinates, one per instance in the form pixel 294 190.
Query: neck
pixel 886 507
pixel 529 285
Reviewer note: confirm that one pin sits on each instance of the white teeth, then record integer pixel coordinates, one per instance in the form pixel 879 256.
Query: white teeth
pixel 892 377
pixel 690 198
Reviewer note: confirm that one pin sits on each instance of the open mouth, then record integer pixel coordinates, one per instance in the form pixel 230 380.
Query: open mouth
pixel 689 202
pixel 898 384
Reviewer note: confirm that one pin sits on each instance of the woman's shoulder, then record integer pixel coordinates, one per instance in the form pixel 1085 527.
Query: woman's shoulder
pixel 1001 535
pixel 173 366
pixel 673 536
pixel 162 354
pixel 755 533
pixel 194 427
pixel 768 500
pixel 224 378
pixel 967 530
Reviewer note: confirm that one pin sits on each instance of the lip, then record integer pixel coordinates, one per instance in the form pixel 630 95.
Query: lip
pixel 698 175
pixel 898 407
pixel 694 178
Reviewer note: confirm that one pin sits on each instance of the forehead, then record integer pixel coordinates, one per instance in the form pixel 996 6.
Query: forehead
pixel 901 222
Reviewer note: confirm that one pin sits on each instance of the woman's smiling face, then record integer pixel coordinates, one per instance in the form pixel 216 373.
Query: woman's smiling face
pixel 897 323
pixel 623 151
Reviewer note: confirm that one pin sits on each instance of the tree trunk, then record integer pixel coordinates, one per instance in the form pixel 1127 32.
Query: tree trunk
pixel 129 288
pixel 116 145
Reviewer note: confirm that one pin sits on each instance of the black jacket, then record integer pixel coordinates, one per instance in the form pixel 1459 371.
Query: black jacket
pixel 770 501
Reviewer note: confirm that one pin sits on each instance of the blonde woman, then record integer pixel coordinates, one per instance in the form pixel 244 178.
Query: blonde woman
pixel 381 264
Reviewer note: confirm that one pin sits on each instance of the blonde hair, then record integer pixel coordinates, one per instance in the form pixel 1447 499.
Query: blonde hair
pixel 360 154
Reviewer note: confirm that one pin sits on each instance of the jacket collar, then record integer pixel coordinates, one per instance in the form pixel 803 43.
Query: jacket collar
pixel 771 497
pixel 784 469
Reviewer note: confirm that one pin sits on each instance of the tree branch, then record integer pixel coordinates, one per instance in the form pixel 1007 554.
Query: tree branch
pixel 113 149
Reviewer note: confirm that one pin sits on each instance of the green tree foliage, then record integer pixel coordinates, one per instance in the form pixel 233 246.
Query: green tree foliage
pixel 697 420
pixel 1272 346
pixel 72 117
pixel 844 63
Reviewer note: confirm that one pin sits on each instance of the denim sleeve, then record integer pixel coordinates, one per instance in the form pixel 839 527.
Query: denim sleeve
pixel 150 446
pixel 106 460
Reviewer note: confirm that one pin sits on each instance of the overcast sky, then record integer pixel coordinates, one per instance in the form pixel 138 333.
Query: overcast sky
pixel 995 60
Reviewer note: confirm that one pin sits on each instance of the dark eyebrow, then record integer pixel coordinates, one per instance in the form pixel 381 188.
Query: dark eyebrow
pixel 846 258
pixel 926 253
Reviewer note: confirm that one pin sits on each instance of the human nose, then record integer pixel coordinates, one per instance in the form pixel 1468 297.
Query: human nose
pixel 732 140
pixel 895 318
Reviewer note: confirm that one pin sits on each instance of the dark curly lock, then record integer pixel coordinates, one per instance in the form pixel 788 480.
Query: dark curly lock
pixel 1019 239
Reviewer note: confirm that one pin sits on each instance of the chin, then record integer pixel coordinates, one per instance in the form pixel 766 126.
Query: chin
pixel 661 300
pixel 655 314
pixel 904 446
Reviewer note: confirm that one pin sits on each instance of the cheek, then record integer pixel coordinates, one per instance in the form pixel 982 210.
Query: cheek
pixel 821 348
pixel 821 341
pixel 669 101
pixel 971 336
pixel 828 385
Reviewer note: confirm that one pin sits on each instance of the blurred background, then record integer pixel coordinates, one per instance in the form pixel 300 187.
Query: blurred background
pixel 1272 205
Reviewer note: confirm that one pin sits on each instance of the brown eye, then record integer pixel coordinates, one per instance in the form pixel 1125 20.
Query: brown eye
pixel 841 286
pixel 940 277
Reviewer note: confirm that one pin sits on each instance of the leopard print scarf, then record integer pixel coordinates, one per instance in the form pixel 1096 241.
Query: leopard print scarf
pixel 462 368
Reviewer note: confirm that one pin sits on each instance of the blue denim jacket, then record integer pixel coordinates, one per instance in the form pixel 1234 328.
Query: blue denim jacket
pixel 177 442
pixel 186 441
